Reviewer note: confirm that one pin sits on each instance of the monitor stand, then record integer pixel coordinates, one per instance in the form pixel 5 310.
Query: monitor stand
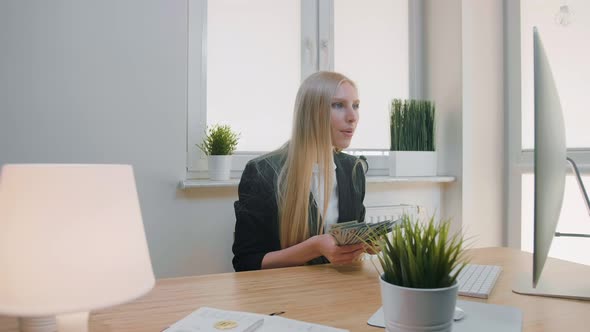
pixel 584 196
pixel 560 279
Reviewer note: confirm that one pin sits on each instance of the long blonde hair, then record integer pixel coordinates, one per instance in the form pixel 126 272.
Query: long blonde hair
pixel 311 142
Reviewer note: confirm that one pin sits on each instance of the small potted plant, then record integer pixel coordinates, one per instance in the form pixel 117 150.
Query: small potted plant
pixel 412 128
pixel 420 264
pixel 219 144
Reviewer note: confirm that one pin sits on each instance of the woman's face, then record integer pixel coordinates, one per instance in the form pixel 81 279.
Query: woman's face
pixel 345 115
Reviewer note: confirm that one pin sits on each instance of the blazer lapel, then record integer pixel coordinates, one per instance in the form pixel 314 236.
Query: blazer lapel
pixel 345 192
pixel 313 218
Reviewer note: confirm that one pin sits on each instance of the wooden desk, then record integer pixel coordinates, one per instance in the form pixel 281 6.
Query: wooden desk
pixel 343 297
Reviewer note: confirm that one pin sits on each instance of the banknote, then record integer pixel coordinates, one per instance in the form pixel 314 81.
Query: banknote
pixel 353 232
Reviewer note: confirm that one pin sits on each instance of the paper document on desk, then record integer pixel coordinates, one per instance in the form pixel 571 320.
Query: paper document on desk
pixel 215 320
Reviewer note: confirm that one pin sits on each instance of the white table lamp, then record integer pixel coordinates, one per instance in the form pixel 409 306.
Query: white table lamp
pixel 71 241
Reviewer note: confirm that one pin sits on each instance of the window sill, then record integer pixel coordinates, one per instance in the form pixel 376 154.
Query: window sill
pixel 231 183
pixel 411 179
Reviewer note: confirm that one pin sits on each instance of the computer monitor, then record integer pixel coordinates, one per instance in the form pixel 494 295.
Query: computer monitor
pixel 550 157
pixel 550 172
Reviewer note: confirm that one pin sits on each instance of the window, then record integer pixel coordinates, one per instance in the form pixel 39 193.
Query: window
pixel 371 46
pixel 568 54
pixel 247 59
pixel 253 68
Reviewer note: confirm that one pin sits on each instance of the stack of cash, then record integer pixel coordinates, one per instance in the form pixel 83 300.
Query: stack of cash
pixel 353 232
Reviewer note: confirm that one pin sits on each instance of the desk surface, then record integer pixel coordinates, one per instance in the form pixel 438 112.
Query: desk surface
pixel 343 297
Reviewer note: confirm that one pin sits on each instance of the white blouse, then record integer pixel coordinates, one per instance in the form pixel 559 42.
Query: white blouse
pixel 317 190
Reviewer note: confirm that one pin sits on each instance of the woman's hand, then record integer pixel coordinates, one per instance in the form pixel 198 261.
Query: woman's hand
pixel 326 245
pixel 372 249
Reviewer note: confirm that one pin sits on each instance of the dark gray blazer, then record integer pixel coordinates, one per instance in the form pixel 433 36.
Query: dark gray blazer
pixel 257 221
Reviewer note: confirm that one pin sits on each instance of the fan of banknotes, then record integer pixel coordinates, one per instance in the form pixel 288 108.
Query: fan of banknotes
pixel 353 232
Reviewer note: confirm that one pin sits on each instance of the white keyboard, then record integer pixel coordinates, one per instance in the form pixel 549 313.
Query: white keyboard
pixel 478 280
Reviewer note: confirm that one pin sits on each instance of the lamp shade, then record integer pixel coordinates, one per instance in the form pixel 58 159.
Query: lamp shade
pixel 71 239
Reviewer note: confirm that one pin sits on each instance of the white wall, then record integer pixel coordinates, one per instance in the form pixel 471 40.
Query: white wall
pixel 464 76
pixel 443 85
pixel 483 121
pixel 106 82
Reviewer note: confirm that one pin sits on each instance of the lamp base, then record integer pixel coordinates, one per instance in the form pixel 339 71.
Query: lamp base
pixel 74 322
pixel 37 324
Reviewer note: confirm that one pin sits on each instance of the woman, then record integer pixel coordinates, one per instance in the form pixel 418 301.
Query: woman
pixel 289 197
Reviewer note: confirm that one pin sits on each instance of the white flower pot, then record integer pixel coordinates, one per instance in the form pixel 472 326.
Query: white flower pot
pixel 219 167
pixel 416 309
pixel 412 163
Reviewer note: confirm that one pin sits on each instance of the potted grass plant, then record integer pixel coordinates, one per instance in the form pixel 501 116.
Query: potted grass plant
pixel 219 144
pixel 412 127
pixel 420 263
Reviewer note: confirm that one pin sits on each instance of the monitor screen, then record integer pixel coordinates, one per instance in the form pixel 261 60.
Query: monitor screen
pixel 550 157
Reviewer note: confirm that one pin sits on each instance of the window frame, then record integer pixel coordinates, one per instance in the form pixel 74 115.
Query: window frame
pixel 317 28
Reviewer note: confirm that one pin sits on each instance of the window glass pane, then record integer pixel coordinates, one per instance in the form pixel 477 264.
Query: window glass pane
pixel 568 51
pixel 371 47
pixel 574 219
pixel 253 68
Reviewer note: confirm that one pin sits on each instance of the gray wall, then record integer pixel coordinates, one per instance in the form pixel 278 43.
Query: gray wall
pixel 105 82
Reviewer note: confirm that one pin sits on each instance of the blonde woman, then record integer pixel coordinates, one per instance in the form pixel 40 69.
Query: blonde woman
pixel 289 197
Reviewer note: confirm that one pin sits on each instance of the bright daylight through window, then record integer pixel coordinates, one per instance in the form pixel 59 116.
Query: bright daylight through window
pixel 247 59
